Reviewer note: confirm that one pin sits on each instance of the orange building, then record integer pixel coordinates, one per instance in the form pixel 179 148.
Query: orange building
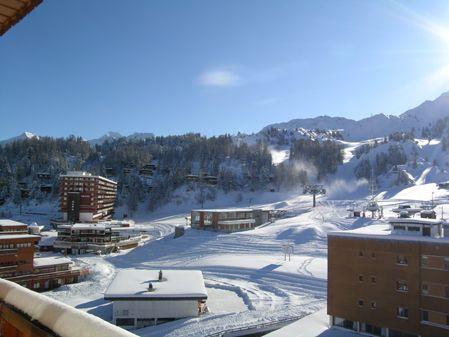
pixel 390 280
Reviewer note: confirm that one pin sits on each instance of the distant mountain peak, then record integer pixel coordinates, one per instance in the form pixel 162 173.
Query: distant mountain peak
pixel 22 136
pixel 378 125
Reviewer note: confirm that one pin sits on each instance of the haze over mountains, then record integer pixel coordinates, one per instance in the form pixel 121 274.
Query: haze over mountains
pixel 375 126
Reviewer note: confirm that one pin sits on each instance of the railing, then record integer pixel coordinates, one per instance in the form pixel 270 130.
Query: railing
pixel 27 311
pixel 255 328
pixel 8 251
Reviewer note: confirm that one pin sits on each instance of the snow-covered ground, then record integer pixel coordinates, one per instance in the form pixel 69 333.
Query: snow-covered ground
pixel 248 280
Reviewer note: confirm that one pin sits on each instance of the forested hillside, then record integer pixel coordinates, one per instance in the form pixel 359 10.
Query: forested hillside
pixel 149 170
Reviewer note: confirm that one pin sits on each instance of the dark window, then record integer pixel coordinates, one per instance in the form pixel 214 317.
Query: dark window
pixel 447 320
pixel 425 288
pixel 373 255
pixel 361 278
pixel 402 260
pixel 402 312
pixel 360 253
pixel 360 302
pixel 426 231
pixel 373 279
pixel 124 321
pixel 446 263
pixel 401 286
pixel 425 315
pixel 446 291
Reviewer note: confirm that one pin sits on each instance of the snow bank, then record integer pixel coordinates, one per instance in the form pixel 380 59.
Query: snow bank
pixel 59 317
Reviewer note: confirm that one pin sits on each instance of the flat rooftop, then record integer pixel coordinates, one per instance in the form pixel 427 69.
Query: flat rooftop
pixel 176 285
pixel 82 174
pixel 18 236
pixel 383 231
pixel 222 210
pixel 50 261
pixel 10 223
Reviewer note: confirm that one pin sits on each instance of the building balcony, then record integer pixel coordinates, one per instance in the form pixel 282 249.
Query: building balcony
pixel 8 251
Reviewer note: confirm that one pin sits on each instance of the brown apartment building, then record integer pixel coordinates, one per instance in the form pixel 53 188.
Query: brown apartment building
pixel 86 198
pixel 18 263
pixel 228 220
pixel 390 280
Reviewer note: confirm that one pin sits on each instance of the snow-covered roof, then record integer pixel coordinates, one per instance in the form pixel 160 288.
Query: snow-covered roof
pixel 50 261
pixel 82 174
pixel 113 224
pixel 383 231
pixel 176 284
pixel 416 221
pixel 47 240
pixel 222 210
pixel 100 226
pixel 10 223
pixel 236 222
pixel 60 318
pixel 18 236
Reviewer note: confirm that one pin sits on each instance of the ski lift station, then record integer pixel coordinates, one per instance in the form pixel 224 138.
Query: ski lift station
pixel 149 297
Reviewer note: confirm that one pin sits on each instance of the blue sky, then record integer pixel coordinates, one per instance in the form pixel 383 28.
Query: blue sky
pixel 169 67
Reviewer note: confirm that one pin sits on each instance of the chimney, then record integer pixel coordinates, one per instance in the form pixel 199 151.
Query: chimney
pixel 150 286
pixel 160 275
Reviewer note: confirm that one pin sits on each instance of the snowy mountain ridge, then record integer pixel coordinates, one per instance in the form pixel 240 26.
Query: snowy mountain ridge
pixel 112 135
pixel 378 125
pixel 22 136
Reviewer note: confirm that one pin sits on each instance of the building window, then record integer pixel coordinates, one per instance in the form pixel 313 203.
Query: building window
pixel 446 291
pixel 425 288
pixel 425 315
pixel 402 312
pixel 373 279
pixel 424 260
pixel 399 228
pixel 446 263
pixel 401 260
pixel 360 253
pixel 373 255
pixel 373 305
pixel 401 286
pixel 361 278
pixel 360 302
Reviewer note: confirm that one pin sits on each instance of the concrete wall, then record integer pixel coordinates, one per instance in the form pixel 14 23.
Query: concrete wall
pixel 154 309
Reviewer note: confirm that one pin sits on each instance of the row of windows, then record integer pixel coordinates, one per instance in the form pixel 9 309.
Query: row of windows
pixel 403 261
pixel 13 245
pixel 400 285
pixel 401 312
pixel 430 317
pixel 438 262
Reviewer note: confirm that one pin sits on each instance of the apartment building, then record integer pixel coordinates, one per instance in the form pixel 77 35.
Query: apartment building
pixel 103 237
pixel 228 220
pixel 12 227
pixel 391 279
pixel 18 263
pixel 86 198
